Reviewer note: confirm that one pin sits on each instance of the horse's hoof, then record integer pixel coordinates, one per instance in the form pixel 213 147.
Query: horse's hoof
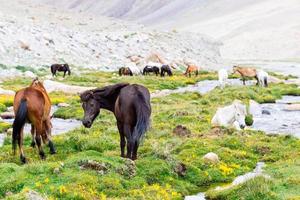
pixel 42 155
pixel 32 144
pixel 23 159
pixel 52 152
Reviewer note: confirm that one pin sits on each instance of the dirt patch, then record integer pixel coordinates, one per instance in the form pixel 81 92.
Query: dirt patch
pixel 182 131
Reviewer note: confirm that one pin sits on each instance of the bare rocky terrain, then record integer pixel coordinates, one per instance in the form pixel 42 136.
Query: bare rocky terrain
pixel 250 30
pixel 32 34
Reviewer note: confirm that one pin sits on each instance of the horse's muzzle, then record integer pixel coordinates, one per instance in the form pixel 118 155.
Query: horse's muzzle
pixel 242 126
pixel 87 123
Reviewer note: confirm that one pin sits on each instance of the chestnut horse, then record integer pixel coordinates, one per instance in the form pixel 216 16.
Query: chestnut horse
pixel 131 107
pixel 246 72
pixel 33 105
pixel 61 68
pixel 190 69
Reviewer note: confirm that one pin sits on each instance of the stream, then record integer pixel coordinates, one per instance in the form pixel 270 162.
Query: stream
pixel 258 171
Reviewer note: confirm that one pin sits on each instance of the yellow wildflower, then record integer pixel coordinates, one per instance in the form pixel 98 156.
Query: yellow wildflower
pixel 62 189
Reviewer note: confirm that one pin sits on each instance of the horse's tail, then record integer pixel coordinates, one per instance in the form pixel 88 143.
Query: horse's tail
pixel 18 124
pixel 69 71
pixel 52 69
pixel 266 81
pixel 143 112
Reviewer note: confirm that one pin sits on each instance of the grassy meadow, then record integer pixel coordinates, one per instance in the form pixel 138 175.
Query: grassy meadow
pixel 168 166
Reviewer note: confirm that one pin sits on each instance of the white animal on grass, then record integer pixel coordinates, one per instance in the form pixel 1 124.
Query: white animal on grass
pixel 134 68
pixel 262 77
pixel 232 115
pixel 223 77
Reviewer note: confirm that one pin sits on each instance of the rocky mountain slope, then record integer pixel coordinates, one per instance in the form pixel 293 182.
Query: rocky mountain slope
pixel 32 34
pixel 249 29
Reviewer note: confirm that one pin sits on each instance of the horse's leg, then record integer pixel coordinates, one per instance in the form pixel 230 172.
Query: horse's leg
pixel 47 137
pixel 64 74
pixel 122 139
pixel 196 72
pixel 134 152
pixel 190 75
pixel 257 83
pixel 32 136
pixel 20 143
pixel 127 131
pixel 38 138
pixel 244 80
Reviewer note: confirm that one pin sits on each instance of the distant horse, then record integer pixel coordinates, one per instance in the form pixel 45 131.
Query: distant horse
pixel 245 72
pixel 262 77
pixel 131 107
pixel 33 105
pixel 232 115
pixel 125 71
pixel 165 69
pixel 61 68
pixel 190 69
pixel 151 69
pixel 223 77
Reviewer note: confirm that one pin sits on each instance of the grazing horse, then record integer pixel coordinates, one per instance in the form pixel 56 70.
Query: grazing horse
pixel 125 71
pixel 165 69
pixel 151 69
pixel 262 77
pixel 232 115
pixel 223 77
pixel 61 68
pixel 33 105
pixel 245 72
pixel 131 107
pixel 190 69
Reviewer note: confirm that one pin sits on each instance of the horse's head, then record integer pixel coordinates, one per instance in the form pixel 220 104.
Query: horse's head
pixel 235 69
pixel 240 113
pixel 90 106
pixel 37 84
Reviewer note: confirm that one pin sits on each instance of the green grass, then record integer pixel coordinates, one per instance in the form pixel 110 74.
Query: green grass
pixel 161 152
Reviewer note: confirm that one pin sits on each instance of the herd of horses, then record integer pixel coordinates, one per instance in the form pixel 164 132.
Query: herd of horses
pixel 130 103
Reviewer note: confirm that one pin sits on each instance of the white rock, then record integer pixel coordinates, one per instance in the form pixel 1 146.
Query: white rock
pixel 29 74
pixel 63 105
pixel 53 86
pixel 7 115
pixel 292 107
pixel 211 158
pixel 7 92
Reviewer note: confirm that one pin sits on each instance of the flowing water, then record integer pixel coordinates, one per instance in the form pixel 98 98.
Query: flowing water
pixel 280 120
pixel 258 171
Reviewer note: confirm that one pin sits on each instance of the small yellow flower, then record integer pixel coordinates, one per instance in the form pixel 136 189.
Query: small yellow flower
pixel 46 180
pixel 62 189
pixel 38 184
pixel 102 196
pixel 26 189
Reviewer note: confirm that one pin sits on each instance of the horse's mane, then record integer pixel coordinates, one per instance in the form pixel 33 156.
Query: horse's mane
pixel 105 92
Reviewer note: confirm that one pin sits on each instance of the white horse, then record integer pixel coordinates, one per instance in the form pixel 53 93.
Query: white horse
pixel 232 115
pixel 223 77
pixel 134 68
pixel 262 77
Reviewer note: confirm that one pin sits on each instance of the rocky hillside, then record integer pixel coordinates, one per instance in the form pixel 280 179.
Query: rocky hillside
pixel 249 29
pixel 37 35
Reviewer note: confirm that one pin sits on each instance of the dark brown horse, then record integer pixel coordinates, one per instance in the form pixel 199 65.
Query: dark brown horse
pixel 125 71
pixel 131 107
pixel 165 69
pixel 61 68
pixel 33 105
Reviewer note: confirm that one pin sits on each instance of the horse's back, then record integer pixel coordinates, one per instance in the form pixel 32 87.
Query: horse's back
pixel 131 99
pixel 37 102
